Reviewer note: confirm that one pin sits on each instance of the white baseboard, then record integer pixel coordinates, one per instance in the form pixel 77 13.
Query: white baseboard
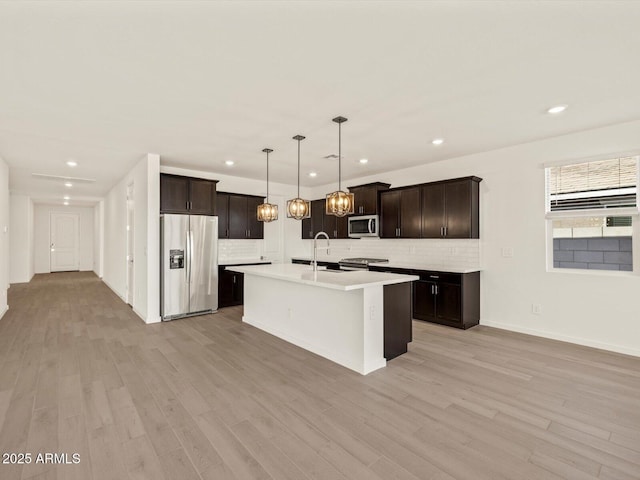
pixel 563 338
pixel 3 310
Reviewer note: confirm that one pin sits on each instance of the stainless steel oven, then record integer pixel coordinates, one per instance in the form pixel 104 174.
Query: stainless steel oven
pixel 364 226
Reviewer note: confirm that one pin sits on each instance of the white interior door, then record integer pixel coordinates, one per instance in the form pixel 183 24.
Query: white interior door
pixel 130 269
pixel 65 242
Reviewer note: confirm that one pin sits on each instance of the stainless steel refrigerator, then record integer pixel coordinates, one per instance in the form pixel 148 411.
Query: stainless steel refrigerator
pixel 188 265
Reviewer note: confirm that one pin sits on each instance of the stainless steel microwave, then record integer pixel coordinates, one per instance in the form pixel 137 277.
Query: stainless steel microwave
pixel 364 226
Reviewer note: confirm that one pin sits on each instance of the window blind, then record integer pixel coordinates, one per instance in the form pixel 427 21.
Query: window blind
pixel 602 184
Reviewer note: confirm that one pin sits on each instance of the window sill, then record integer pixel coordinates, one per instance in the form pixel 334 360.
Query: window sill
pixel 603 273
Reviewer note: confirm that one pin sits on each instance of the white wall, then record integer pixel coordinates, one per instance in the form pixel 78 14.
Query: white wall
pixel 42 234
pixel 21 238
pixel 145 177
pixel 98 239
pixel 4 235
pixel 595 309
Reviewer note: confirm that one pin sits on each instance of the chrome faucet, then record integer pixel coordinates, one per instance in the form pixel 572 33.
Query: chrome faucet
pixel 315 249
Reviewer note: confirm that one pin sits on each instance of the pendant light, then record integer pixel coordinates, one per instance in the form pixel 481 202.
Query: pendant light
pixel 267 212
pixel 298 208
pixel 339 203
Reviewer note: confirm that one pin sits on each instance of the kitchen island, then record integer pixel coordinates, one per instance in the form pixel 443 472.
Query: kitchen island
pixel 358 319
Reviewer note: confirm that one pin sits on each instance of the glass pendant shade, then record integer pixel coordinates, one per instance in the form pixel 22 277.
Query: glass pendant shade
pixel 298 208
pixel 339 203
pixel 267 212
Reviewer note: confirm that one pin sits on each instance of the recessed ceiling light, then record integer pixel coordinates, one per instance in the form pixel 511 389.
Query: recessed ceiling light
pixel 68 184
pixel 437 141
pixel 364 160
pixel 228 163
pixel 66 197
pixel 557 109
pixel 65 203
pixel 72 163
pixel 313 174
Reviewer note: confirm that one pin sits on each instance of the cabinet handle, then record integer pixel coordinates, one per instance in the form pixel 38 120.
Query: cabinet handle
pixel 226 232
pixel 432 291
pixel 445 231
pixel 234 279
pixel 186 206
pixel 335 234
pixel 249 235
pixel 436 286
pixel 434 276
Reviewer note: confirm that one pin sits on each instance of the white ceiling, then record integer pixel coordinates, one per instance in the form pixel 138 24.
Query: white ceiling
pixel 203 82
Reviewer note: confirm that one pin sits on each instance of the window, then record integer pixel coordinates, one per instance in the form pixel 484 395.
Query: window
pixel 591 207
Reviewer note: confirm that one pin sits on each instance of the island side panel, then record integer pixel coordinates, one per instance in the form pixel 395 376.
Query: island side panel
pixel 331 323
pixel 397 319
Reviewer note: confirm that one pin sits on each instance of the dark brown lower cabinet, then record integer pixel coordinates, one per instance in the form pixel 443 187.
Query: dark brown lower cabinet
pixel 447 298
pixel 230 287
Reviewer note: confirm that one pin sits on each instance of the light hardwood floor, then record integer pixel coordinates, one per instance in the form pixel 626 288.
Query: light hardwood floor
pixel 210 398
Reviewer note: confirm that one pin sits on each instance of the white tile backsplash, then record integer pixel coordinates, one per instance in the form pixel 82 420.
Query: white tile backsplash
pixel 239 249
pixel 463 253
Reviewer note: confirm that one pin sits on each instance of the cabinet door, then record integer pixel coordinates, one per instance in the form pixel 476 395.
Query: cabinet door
pixel 448 302
pixel 389 214
pixel 222 210
pixel 317 216
pixel 225 287
pixel 255 228
pixel 424 306
pixel 342 227
pixel 368 200
pixel 237 216
pixel 238 288
pixel 329 225
pixel 457 198
pixel 433 213
pixel 202 197
pixel 174 194
pixel 410 213
pixel 307 228
pixel 365 200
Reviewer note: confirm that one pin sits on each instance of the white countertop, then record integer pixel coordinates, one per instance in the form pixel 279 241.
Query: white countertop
pixel 337 280
pixel 411 265
pixel 426 266
pixel 241 261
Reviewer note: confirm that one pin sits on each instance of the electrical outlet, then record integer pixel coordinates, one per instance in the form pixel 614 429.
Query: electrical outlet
pixel 536 308
pixel 507 252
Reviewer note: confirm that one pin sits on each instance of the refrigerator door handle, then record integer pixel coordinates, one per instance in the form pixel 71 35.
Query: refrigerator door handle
pixel 190 255
pixel 187 258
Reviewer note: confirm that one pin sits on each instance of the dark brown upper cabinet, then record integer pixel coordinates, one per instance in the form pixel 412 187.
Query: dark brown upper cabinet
pixel 335 227
pixel 400 215
pixel 222 210
pixel 366 198
pixel 187 195
pixel 238 217
pixel 450 209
